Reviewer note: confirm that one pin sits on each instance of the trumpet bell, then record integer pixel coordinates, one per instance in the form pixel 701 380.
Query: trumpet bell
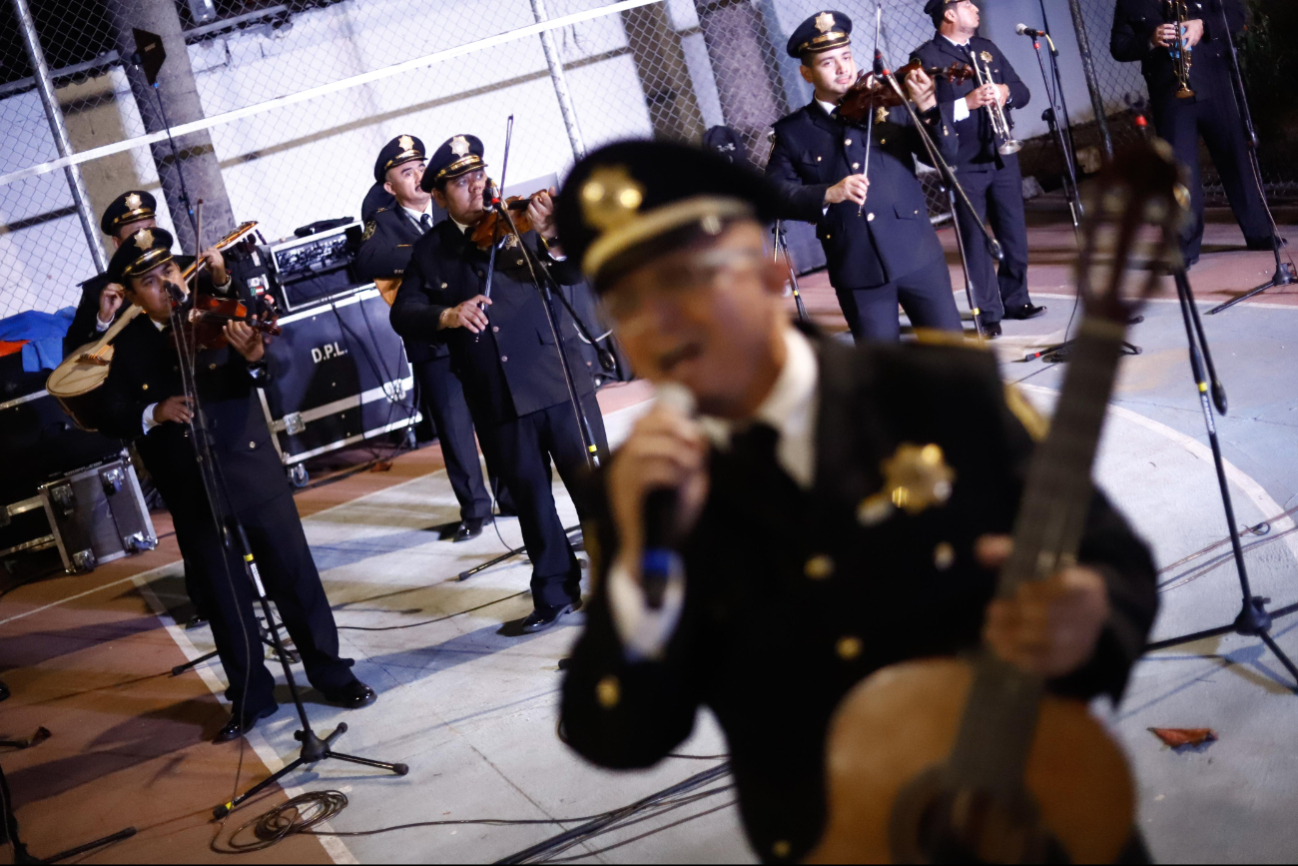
pixel 1009 147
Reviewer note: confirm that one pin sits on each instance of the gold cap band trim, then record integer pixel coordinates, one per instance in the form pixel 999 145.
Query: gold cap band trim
pixel 140 213
pixel 819 43
pixel 402 158
pixel 463 165
pixel 659 221
pixel 147 262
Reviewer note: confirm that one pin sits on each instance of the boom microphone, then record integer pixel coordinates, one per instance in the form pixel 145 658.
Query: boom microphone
pixel 1025 30
pixel 659 515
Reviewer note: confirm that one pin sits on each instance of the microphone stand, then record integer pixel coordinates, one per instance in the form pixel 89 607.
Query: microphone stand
pixel 1285 274
pixel 782 246
pixel 1254 620
pixel 231 531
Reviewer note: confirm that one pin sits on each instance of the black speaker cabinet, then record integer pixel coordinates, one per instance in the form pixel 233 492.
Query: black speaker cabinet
pixel 341 376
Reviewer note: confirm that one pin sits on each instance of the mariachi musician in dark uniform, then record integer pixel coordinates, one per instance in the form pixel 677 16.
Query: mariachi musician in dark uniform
pixel 145 401
pixel 504 352
pixel 992 180
pixel 1143 31
pixel 876 232
pixel 390 236
pixel 101 298
pixel 792 580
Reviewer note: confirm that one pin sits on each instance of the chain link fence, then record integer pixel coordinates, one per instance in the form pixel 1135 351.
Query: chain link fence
pixel 294 99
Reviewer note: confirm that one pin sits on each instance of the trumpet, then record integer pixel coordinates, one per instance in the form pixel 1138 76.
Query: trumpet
pixel 1000 124
pixel 1182 54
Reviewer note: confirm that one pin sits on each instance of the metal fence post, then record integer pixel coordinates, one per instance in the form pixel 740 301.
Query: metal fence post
pixel 45 87
pixel 1092 82
pixel 555 63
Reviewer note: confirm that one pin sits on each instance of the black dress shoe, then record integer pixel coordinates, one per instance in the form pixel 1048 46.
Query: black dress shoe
pixel 241 723
pixel 352 696
pixel 471 528
pixel 991 330
pixel 1027 311
pixel 541 619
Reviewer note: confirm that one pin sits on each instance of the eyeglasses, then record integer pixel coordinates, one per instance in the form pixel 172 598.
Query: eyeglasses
pixel 681 276
pixel 465 180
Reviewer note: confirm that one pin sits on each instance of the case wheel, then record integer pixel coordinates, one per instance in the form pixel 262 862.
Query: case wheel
pixel 298 476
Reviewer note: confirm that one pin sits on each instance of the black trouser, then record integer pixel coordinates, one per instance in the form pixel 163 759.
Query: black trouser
pixel 444 396
pixel 997 196
pixel 525 446
pixel 925 295
pixel 289 575
pixel 1180 122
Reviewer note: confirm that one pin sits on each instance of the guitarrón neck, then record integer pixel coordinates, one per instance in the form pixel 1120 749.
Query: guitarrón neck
pixel 1000 717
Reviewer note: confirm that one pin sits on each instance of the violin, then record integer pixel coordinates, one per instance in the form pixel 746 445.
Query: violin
pixel 870 93
pixel 205 321
pixel 489 230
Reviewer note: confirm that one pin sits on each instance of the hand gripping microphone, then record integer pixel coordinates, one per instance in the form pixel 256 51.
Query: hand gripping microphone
pixel 660 505
pixel 1025 30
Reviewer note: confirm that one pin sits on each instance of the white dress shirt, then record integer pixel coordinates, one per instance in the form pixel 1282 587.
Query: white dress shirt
pixel 791 408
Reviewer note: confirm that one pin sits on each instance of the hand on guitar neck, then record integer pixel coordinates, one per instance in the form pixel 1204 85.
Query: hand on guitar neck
pixel 1050 627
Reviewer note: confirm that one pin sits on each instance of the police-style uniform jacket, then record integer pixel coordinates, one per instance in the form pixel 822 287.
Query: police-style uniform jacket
pixel 512 369
pixel 977 140
pixel 791 599
pixel 1134 22
pixel 146 370
pixel 385 253
pixel 893 237
pixel 82 330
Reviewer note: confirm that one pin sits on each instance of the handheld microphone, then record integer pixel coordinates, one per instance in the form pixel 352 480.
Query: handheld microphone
pixel 177 296
pixel 1025 30
pixel 659 516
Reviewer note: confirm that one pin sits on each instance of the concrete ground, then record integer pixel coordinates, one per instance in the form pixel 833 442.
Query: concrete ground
pixel 473 712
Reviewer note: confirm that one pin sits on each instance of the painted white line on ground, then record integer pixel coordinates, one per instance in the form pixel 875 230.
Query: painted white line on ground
pixel 1244 482
pixel 256 739
pixel 1200 303
pixel 45 607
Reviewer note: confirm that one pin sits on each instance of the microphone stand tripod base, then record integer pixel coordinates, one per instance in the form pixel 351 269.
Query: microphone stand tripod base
pixel 1284 276
pixel 314 749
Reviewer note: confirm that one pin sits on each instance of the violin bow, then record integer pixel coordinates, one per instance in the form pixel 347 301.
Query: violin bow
pixel 869 123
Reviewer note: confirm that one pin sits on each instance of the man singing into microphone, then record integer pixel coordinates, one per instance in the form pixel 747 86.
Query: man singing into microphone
pixel 789 583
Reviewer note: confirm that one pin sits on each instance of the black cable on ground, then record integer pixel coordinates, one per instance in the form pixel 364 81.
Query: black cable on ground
pixel 433 620
pixel 303 813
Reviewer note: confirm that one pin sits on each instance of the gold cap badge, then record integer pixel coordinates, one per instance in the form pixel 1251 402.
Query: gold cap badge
pixel 825 22
pixel 144 239
pixel 133 201
pixel 460 146
pixel 405 142
pixel 610 197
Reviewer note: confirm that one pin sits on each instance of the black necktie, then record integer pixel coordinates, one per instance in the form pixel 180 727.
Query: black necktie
pixel 425 221
pixel 754 446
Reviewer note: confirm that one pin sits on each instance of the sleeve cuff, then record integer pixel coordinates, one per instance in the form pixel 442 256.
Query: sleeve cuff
pixel 147 419
pixel 644 632
pixel 960 110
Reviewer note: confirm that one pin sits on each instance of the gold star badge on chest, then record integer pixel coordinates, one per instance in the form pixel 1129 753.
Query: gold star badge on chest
pixel 915 477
